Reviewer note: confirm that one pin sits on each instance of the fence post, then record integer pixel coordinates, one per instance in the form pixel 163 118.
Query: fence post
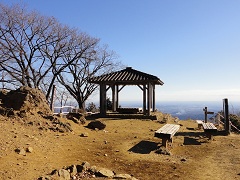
pixel 226 117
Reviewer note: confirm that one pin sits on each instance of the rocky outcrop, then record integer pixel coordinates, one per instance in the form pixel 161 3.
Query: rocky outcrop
pixel 84 171
pixel 25 99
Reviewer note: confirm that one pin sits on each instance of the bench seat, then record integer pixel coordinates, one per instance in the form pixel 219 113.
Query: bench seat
pixel 199 122
pixel 166 133
pixel 209 129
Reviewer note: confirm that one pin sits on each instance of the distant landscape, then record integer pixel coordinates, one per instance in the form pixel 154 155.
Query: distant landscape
pixel 189 109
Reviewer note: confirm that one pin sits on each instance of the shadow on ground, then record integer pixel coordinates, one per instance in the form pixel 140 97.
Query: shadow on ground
pixel 192 138
pixel 144 147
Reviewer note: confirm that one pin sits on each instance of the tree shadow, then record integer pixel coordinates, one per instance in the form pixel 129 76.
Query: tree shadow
pixel 144 147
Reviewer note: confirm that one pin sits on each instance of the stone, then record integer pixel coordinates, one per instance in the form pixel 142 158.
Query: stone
pixel 96 124
pixel 93 169
pixel 122 176
pixel 84 134
pixel 83 167
pixel 163 150
pixel 20 151
pixel 29 149
pixel 73 170
pixel 76 117
pixel 183 159
pixel 103 172
pixel 64 174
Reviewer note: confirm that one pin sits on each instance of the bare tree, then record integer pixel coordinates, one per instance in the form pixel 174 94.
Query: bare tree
pixel 36 51
pixel 97 60
pixel 32 47
pixel 21 38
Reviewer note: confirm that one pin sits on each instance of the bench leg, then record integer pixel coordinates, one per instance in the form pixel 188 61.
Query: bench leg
pixel 164 142
pixel 210 136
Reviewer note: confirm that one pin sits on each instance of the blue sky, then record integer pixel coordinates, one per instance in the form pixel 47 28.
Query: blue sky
pixel 193 46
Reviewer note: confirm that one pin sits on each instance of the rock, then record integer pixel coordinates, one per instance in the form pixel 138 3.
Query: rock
pixel 45 178
pixel 83 167
pixel 103 172
pixel 163 150
pixel 183 159
pixel 84 134
pixel 29 149
pixel 73 170
pixel 93 169
pixel 20 151
pixel 122 176
pixel 76 117
pixel 96 124
pixel 64 174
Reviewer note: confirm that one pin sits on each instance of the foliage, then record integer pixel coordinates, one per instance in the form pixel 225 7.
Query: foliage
pixel 91 108
pixel 235 119
pixel 109 104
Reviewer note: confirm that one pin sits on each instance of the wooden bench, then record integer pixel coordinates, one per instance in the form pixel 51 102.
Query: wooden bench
pixel 166 133
pixel 209 129
pixel 199 122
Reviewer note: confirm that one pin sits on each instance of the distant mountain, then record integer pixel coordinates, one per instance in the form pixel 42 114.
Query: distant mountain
pixel 189 109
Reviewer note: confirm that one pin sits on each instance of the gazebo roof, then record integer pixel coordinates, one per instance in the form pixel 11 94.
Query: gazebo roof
pixel 126 76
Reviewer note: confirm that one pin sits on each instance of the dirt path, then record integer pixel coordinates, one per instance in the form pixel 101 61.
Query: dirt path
pixel 125 146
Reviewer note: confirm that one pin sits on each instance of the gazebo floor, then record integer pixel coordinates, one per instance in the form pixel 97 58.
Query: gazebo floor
pixel 122 116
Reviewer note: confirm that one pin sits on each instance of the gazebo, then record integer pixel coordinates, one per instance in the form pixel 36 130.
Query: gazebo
pixel 119 79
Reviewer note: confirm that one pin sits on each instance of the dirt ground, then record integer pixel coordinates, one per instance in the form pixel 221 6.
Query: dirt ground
pixel 124 146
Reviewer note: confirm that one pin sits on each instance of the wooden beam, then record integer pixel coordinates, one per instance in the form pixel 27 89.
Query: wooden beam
pixel 121 88
pixel 140 87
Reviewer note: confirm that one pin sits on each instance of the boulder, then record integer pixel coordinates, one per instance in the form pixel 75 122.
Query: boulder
pixel 83 167
pixel 103 172
pixel 122 176
pixel 96 124
pixel 64 174
pixel 73 170
pixel 76 117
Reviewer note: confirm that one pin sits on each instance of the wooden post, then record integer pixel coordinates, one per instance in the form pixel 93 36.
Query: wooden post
pixel 154 100
pixel 226 116
pixel 148 99
pixel 144 99
pixel 52 98
pixel 117 96
pixel 114 108
pixel 103 104
pixel 205 113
